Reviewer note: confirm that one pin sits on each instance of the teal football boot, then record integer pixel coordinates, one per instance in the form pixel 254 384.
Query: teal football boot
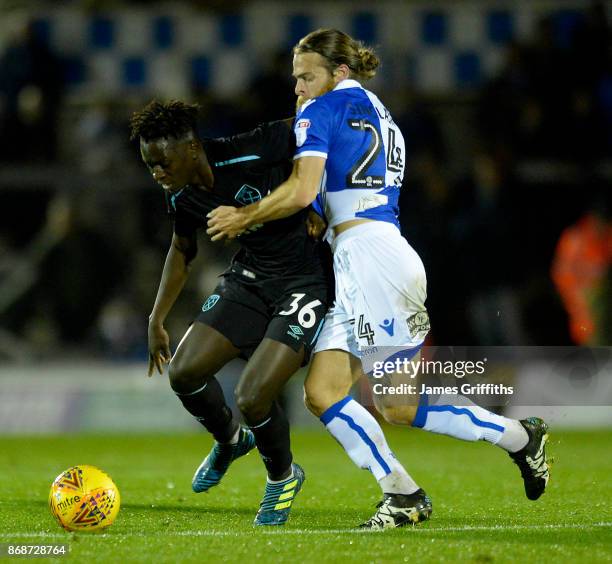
pixel 278 499
pixel 217 462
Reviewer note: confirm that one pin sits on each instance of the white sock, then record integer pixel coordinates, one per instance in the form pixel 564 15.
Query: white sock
pixel 363 440
pixel 399 481
pixel 470 422
pixel 515 436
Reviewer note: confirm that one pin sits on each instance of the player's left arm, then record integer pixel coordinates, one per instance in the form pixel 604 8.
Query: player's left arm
pixel 295 194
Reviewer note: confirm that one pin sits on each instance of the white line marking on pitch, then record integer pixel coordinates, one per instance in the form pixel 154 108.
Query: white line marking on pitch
pixel 44 534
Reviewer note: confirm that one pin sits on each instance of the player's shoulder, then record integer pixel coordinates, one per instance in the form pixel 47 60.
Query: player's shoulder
pixel 341 100
pixel 313 113
pixel 314 107
pixel 308 104
pixel 248 147
pixel 319 110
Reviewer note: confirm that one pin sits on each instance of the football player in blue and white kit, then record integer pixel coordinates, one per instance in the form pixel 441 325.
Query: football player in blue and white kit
pixel 351 152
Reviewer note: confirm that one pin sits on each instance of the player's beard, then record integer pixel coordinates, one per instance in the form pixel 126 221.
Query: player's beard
pixel 301 100
pixel 329 86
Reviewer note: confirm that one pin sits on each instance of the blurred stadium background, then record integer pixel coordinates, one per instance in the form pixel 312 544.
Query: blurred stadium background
pixel 506 107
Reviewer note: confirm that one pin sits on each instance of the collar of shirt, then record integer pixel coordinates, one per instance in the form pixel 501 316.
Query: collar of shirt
pixel 347 83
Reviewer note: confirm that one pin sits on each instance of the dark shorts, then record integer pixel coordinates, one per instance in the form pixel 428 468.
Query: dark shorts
pixel 246 310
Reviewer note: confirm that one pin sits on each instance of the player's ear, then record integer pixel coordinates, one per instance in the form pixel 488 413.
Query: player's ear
pixel 341 72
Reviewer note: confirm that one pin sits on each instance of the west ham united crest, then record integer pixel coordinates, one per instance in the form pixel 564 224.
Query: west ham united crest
pixel 247 195
pixel 210 302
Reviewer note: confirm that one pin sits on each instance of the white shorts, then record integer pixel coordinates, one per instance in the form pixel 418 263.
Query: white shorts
pixel 380 291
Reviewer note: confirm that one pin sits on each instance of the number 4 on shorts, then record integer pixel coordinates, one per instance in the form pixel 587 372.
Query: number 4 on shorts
pixel 364 331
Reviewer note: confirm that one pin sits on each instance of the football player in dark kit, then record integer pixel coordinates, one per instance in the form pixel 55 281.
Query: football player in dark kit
pixel 268 307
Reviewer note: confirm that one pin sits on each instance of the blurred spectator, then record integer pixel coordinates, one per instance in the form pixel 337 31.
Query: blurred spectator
pixel 552 102
pixel 591 43
pixel 21 263
pixel 426 211
pixel 548 101
pixel 69 271
pixel 271 93
pixel 544 121
pixel 220 118
pixel 581 273
pixel 122 329
pixel 503 103
pixel 485 241
pixel 100 139
pixel 30 98
pixel 82 271
pixel 591 53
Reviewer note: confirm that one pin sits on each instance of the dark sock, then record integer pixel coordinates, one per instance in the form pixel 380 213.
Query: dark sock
pixel 272 439
pixel 207 405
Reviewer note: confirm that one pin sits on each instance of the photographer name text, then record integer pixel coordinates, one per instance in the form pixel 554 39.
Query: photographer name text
pixel 465 389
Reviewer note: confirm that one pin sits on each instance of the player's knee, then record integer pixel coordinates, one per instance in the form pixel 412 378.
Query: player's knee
pixel 309 406
pixel 318 400
pixel 398 414
pixel 252 406
pixel 183 379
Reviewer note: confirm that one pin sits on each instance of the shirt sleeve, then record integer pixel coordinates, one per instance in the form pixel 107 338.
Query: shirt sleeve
pixel 312 130
pixel 185 225
pixel 278 141
pixel 268 144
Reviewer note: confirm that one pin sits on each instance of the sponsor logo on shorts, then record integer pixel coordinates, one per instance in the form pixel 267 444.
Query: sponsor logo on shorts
pixel 211 302
pixel 418 324
pixel 295 331
pixel 387 325
pixel 247 195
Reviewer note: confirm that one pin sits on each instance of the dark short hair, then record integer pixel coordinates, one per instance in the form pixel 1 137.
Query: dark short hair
pixel 164 119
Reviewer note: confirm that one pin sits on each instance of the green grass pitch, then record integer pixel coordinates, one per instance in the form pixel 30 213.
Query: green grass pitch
pixel 480 511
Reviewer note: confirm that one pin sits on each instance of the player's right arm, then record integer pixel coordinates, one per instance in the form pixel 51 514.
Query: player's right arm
pixel 174 275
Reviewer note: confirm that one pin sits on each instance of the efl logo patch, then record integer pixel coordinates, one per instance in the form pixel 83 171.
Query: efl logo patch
pixel 301 131
pixel 247 195
pixel 211 302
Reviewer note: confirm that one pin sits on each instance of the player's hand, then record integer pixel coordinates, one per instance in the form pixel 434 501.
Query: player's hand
pixel 159 348
pixel 315 225
pixel 226 222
